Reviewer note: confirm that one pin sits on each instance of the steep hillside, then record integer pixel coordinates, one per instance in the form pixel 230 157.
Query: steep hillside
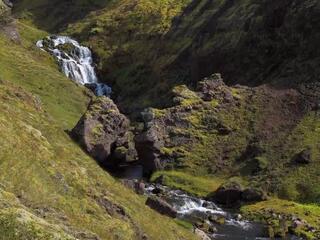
pixel 50 189
pixel 249 42
pixel 148 46
pixel 262 135
pixel 253 133
pixel 124 35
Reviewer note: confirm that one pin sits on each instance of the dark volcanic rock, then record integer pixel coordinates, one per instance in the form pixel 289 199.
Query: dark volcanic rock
pixel 104 133
pixel 161 206
pixel 228 194
pixel 148 149
pixel 253 195
pixel 232 193
pixel 304 157
pixel 214 88
pixel 148 144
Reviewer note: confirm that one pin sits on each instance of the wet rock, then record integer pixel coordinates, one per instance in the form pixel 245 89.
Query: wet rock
pixel 157 191
pixel 304 157
pixel 217 219
pixel 161 206
pixel 204 226
pixel 160 180
pixel 105 133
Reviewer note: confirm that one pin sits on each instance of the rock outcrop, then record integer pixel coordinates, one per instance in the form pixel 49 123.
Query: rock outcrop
pixel 169 134
pixel 161 206
pixel 228 194
pixel 304 157
pixel 232 193
pixel 105 133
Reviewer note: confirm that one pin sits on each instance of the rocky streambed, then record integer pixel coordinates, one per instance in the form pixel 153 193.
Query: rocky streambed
pixel 209 220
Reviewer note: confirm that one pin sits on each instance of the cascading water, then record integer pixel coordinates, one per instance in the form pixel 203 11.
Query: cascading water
pixel 193 209
pixel 75 61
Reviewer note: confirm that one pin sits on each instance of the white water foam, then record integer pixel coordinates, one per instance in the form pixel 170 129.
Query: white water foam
pixel 76 64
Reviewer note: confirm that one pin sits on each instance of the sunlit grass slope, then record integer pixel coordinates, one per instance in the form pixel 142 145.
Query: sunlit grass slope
pixel 49 188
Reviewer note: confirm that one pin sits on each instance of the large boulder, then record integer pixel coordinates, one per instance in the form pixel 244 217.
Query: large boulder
pixel 161 206
pixel 105 133
pixel 149 143
pixel 148 149
pixel 232 193
pixel 228 194
pixel 253 195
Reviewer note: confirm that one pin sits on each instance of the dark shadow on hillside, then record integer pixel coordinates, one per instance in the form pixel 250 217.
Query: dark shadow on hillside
pixel 250 43
pixel 55 15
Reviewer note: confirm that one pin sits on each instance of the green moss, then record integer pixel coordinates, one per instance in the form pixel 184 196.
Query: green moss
pixel 184 224
pixel 185 96
pixel 267 210
pixel 97 131
pixel 199 186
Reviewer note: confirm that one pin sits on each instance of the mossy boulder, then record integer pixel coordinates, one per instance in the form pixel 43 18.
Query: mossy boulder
pixel 105 133
pixel 229 193
pixel 161 206
pixel 252 194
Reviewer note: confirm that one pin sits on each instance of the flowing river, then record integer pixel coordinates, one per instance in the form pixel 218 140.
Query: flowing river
pixel 193 209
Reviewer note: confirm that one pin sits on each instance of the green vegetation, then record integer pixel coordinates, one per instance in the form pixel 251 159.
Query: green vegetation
pixel 61 192
pixel 122 34
pixel 199 186
pixel 268 211
pixel 213 139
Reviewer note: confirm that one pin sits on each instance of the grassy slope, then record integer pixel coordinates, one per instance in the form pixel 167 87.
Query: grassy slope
pixel 43 172
pixel 122 34
pixel 119 28
pixel 265 212
pixel 51 15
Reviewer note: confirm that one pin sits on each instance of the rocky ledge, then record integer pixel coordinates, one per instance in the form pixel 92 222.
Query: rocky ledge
pixel 105 134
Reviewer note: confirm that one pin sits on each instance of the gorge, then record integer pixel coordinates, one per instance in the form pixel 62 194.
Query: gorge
pixel 159 120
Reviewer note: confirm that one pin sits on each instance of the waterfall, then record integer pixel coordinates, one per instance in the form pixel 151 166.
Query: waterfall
pixel 75 62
